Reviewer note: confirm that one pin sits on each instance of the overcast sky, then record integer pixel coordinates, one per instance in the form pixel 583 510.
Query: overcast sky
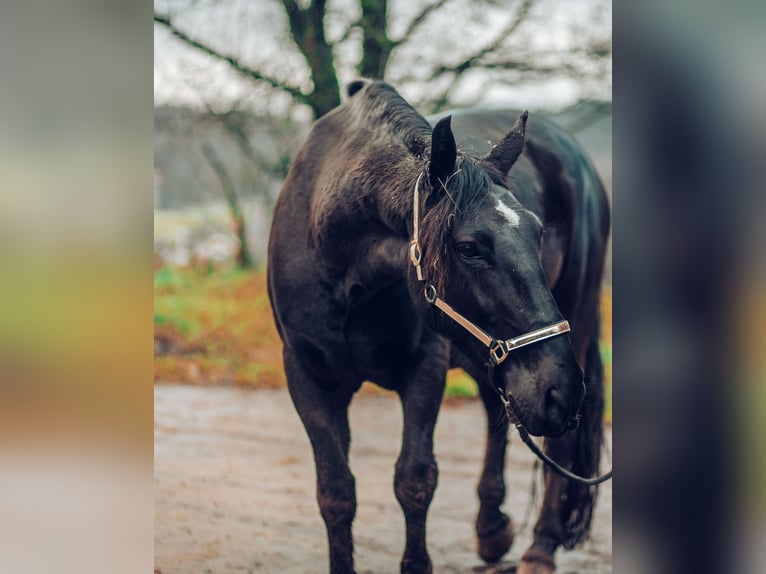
pixel 254 32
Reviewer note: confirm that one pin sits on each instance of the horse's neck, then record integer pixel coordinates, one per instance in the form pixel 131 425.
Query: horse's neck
pixel 362 225
pixel 377 191
pixel 394 200
pixel 363 197
pixel 379 261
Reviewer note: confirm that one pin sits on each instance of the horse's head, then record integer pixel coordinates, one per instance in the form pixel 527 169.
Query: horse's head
pixel 481 252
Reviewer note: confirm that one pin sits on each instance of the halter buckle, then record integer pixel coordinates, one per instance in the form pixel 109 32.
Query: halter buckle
pixel 498 353
pixel 415 256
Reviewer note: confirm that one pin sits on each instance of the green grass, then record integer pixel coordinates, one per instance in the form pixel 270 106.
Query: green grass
pixel 460 384
pixel 220 327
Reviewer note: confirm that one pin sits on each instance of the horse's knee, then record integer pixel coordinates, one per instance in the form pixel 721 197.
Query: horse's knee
pixel 337 500
pixel 414 485
pixel 491 490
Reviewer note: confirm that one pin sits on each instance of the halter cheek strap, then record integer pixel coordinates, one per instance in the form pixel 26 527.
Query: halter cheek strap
pixel 415 253
pixel 498 348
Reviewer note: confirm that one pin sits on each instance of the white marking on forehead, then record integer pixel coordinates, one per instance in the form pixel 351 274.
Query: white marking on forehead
pixel 509 214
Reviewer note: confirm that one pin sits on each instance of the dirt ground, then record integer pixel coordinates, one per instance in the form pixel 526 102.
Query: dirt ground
pixel 234 488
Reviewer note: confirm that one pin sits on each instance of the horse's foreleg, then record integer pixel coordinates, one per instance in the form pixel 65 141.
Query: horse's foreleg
pixel 416 471
pixel 494 530
pixel 325 416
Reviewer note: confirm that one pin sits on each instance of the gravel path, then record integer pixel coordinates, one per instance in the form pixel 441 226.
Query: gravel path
pixel 234 488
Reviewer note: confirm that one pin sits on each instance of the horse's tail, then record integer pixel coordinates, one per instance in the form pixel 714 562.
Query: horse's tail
pixel 578 501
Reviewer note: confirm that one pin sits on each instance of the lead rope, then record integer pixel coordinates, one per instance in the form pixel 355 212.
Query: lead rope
pixel 552 464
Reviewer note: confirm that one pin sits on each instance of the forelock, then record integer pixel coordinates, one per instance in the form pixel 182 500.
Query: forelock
pixel 462 190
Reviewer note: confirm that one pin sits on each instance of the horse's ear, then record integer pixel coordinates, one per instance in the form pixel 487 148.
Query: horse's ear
pixel 505 153
pixel 355 86
pixel 443 152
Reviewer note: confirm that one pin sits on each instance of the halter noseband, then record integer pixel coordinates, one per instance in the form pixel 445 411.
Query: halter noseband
pixel 498 348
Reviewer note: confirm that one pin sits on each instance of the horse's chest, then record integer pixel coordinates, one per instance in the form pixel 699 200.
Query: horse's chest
pixel 383 333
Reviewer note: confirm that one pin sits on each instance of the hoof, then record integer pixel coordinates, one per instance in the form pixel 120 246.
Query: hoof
pixel 536 562
pixel 493 546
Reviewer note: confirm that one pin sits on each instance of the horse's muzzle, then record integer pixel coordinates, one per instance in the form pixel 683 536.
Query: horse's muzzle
pixel 561 405
pixel 557 412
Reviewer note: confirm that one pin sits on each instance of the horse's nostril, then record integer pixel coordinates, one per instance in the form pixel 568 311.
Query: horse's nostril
pixel 555 407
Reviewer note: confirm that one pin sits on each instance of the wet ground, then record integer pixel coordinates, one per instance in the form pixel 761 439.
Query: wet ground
pixel 234 488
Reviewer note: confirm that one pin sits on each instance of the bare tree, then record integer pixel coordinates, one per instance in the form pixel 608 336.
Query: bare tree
pixel 371 32
pixel 232 200
pixel 263 167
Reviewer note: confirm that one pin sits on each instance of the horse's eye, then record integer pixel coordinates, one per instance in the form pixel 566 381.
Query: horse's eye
pixel 467 249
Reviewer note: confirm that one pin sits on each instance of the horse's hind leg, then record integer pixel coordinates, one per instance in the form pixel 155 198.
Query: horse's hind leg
pixel 567 507
pixel 416 471
pixel 325 416
pixel 494 530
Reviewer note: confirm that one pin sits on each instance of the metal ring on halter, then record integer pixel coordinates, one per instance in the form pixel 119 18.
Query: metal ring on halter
pixel 430 293
pixel 498 352
pixel 415 254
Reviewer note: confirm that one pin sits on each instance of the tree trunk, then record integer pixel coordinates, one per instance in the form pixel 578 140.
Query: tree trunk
pixel 243 257
pixel 376 45
pixel 307 30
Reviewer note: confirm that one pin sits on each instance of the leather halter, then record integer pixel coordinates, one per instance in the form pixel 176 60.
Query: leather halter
pixel 498 348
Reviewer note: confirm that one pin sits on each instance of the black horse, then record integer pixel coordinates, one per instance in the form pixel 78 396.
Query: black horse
pixel 393 257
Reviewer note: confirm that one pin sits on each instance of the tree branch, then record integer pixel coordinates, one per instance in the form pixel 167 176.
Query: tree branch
pixel 376 45
pixel 417 21
pixel 297 19
pixel 347 34
pixel 308 33
pixel 231 120
pixel 459 69
pixel 526 67
pixel 246 71
pixel 230 195
pixel 440 101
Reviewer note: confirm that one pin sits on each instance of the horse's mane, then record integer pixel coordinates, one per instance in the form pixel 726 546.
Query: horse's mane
pixel 380 108
pixel 443 207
